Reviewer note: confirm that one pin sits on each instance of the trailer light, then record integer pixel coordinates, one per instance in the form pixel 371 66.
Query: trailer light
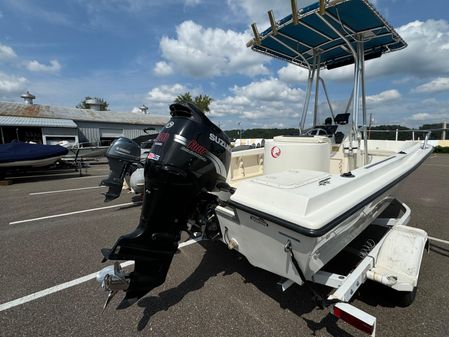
pixel 355 317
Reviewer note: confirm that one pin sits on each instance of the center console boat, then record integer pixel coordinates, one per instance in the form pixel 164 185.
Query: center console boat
pixel 291 207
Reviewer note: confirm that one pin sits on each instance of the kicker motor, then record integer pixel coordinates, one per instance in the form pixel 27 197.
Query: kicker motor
pixel 188 159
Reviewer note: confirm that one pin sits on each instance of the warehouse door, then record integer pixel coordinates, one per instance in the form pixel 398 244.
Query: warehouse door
pixel 107 136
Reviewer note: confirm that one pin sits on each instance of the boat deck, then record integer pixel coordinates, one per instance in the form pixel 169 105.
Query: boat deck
pixel 209 292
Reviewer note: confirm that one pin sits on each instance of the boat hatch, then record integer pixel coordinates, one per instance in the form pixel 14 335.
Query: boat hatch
pixel 298 36
pixel 291 179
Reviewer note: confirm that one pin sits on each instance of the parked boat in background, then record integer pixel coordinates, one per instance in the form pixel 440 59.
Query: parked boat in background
pixel 80 151
pixel 18 154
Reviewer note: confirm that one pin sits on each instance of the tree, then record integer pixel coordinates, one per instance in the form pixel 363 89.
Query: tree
pixel 436 134
pixel 201 101
pixel 184 98
pixel 103 104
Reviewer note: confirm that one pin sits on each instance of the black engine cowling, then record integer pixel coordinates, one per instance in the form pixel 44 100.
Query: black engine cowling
pixel 189 157
pixel 122 153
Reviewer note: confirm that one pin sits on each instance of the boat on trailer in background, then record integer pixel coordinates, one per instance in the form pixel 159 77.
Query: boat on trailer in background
pixel 296 205
pixel 20 155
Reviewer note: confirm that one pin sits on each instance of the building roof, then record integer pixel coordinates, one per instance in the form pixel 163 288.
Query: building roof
pixel 37 122
pixel 54 112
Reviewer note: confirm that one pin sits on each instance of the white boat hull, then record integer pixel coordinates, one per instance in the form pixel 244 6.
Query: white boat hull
pixel 318 216
pixel 262 241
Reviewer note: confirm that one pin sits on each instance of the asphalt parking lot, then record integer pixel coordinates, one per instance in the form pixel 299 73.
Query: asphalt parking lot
pixel 52 229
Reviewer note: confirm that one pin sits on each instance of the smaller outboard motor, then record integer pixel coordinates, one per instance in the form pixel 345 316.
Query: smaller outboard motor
pixel 122 153
pixel 189 158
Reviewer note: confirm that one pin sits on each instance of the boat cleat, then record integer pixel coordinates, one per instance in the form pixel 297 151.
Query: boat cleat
pixel 113 279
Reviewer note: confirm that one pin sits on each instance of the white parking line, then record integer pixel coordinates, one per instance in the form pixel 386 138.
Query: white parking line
pixel 48 291
pixel 54 175
pixel 76 212
pixel 87 177
pixel 67 190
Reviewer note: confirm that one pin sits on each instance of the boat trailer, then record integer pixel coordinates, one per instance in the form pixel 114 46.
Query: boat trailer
pixel 393 259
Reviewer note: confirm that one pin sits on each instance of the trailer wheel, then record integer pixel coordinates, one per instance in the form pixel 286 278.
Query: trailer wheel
pixel 405 298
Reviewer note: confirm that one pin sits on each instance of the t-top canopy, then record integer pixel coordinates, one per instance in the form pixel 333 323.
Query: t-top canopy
pixel 327 27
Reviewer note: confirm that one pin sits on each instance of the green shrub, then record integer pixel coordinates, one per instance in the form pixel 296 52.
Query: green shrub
pixel 441 149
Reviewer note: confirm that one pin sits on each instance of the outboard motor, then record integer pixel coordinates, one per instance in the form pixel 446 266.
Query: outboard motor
pixel 122 154
pixel 189 158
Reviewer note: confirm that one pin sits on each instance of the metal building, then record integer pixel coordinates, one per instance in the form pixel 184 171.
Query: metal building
pixel 50 124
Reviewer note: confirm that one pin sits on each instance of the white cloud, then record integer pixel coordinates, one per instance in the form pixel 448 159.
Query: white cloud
pixel 292 74
pixel 11 85
pixel 420 116
pixel 427 54
pixel 159 98
pixel 35 66
pixel 261 100
pixel 163 69
pixel 429 117
pixel 383 97
pixel 268 90
pixel 438 84
pixel 7 53
pixel 166 94
pixel 208 52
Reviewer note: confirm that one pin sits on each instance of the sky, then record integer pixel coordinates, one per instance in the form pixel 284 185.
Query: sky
pixel 134 52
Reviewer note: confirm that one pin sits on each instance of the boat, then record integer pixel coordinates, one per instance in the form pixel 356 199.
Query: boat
pixel 323 187
pixel 82 151
pixel 19 154
pixel 145 142
pixel 294 205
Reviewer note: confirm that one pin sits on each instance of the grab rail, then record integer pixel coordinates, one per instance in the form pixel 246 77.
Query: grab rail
pixel 424 145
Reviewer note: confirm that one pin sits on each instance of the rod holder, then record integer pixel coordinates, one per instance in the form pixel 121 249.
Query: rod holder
pixel 295 12
pixel 274 27
pixel 322 9
pixel 256 33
